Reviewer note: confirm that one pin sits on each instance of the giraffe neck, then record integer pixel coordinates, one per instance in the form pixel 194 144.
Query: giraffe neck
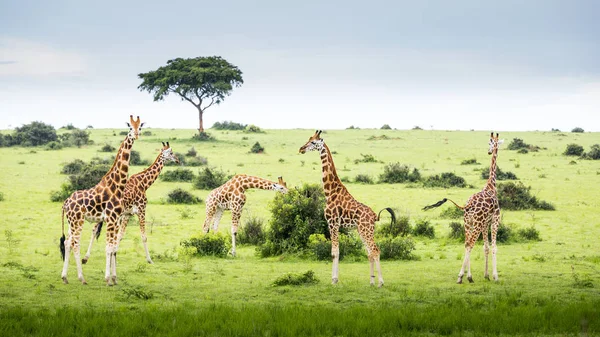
pixel 117 175
pixel 491 183
pixel 331 181
pixel 149 175
pixel 247 182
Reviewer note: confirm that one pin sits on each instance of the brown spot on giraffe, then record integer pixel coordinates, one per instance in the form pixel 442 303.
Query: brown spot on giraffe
pixel 135 200
pixel 342 210
pixel 98 204
pixel 481 210
pixel 231 196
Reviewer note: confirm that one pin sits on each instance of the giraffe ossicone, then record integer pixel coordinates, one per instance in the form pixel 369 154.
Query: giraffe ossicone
pixel 481 210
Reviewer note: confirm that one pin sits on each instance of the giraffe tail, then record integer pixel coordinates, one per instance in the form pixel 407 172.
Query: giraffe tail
pixel 391 213
pixel 62 238
pixel 440 203
pixel 98 229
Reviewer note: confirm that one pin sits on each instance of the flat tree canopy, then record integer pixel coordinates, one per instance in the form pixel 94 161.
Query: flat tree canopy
pixel 202 81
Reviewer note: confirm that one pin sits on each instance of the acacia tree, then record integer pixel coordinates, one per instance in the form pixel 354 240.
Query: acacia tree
pixel 202 81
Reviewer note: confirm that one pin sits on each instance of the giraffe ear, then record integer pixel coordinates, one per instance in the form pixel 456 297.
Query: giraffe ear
pixel 128 125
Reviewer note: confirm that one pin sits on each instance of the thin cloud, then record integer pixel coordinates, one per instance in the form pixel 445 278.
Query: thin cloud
pixel 30 58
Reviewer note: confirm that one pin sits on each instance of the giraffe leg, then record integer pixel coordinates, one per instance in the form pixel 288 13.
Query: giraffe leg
pixel 77 257
pixel 495 223
pixel 210 212
pixel 89 251
pixel 122 227
pixel 486 252
pixel 67 256
pixel 465 263
pixel 235 220
pixel 335 252
pixel 142 219
pixel 114 266
pixel 217 219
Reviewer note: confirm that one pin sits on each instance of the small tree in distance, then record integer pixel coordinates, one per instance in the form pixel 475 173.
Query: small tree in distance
pixel 202 81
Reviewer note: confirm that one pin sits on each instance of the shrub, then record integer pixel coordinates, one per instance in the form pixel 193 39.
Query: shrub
pixel 399 228
pixel 577 130
pixel 366 158
pixel 136 159
pixel 191 153
pixel 209 245
pixel 251 232
pixel 107 148
pixel 73 167
pixel 54 145
pixel 1 196
pixel 424 228
pixel 88 177
pixel 386 127
pixel 69 127
pixel 363 179
pixel 445 180
pixel 594 152
pixel 416 127
pixel 523 151
pixel 203 137
pixel 394 173
pixel 529 233
pixel 503 235
pixel 178 174
pixel 257 148
pixel 457 230
pixel 76 138
pixel 500 175
pixel 398 248
pixel 208 178
pixel 147 133
pixel 573 150
pixel 123 133
pixel 349 245
pixel 34 134
pixel 180 196
pixel 253 129
pixel 471 161
pixel 228 125
pixel 518 144
pixel 294 217
pixel 516 196
pixel 194 161
pixel 452 212
pixel 296 279
pixel 352 127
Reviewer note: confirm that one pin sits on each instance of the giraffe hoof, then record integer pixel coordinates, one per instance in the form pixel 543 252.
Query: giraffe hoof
pixel 380 285
pixel 470 279
pixel 84 282
pixel 150 262
pixel 487 277
pixel 334 281
pixel 459 281
pixel 84 260
pixel 65 281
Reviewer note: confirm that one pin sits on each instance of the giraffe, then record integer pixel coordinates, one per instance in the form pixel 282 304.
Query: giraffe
pixel 481 209
pixel 135 201
pixel 230 196
pixel 342 210
pixel 102 202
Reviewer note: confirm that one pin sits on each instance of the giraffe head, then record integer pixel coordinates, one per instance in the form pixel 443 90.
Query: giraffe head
pixel 134 127
pixel 494 142
pixel 314 143
pixel 281 186
pixel 167 153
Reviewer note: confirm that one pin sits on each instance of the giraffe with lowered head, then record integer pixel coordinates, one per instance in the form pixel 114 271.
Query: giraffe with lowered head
pixel 135 200
pixel 231 196
pixel 103 202
pixel 342 210
pixel 481 209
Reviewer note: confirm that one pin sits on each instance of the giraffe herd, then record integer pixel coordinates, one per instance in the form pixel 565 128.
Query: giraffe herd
pixel 117 197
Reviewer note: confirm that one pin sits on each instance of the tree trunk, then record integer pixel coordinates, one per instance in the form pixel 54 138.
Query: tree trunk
pixel 200 113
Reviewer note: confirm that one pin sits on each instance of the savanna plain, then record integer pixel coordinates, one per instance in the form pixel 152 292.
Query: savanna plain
pixel 547 287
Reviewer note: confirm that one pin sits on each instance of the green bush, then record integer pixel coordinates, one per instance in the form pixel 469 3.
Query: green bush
pixel 386 127
pixel 54 146
pixel 181 196
pixel 123 133
pixel 147 133
pixel 294 217
pixel 209 179
pixel 398 248
pixel 457 230
pixel 471 161
pixel 518 144
pixel 136 159
pixel 350 246
pixel 366 158
pixel 500 175
pixel 228 125
pixel 401 227
pixel 210 244
pixel 594 152
pixel 251 232
pixel 195 161
pixel 69 127
pixel 203 137
pixel 296 279
pixel 74 167
pixel 257 148
pixel 88 177
pixel 33 134
pixel 363 179
pixel 424 228
pixel 516 196
pixel 1 196
pixel 529 233
pixel 573 150
pixel 444 180
pixel 76 138
pixel 107 148
pixel 452 212
pixel 253 129
pixel 191 153
pixel 179 174
pixel 503 235
pixel 395 173
pixel 577 130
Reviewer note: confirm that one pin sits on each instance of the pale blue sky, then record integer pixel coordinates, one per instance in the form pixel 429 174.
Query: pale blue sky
pixel 501 65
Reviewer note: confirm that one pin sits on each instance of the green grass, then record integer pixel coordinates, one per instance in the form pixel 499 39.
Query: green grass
pixel 548 287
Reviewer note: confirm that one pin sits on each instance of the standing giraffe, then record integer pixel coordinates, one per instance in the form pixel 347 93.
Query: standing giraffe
pixel 135 201
pixel 345 211
pixel 231 196
pixel 102 202
pixel 481 209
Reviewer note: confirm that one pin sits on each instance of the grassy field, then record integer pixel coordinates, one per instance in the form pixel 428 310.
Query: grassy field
pixel 550 287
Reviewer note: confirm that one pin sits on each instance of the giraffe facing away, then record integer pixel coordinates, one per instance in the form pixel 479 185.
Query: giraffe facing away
pixel 102 202
pixel 135 201
pixel 481 209
pixel 342 210
pixel 231 196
